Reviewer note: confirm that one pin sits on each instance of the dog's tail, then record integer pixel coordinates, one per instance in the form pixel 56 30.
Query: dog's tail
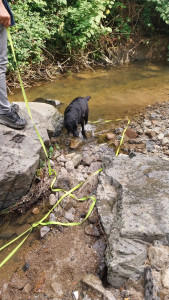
pixel 88 98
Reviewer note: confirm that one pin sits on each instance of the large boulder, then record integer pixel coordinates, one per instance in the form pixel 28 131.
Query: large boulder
pixel 133 203
pixel 20 151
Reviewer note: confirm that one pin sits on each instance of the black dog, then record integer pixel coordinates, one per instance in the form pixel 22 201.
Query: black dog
pixel 76 113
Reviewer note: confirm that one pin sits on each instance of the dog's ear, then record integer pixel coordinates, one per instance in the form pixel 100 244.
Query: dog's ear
pixel 88 98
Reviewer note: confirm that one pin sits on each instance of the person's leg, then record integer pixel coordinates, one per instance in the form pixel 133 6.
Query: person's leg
pixel 4 103
pixel 8 113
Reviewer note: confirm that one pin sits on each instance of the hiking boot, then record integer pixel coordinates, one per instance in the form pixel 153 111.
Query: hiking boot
pixel 11 119
pixel 15 107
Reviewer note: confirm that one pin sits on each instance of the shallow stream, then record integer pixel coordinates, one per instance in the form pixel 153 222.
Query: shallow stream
pixel 114 93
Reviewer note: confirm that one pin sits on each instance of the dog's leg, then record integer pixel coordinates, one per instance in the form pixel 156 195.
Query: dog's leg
pixel 83 131
pixel 86 118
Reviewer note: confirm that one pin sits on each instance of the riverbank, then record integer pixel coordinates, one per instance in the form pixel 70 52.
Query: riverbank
pixel 57 265
pixel 123 53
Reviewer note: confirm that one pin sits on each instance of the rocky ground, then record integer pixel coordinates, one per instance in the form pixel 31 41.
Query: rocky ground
pixel 149 133
pixel 68 262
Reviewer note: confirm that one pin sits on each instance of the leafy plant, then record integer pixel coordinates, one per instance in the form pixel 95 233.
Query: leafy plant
pixel 51 149
pixel 73 27
pixel 162 6
pixel 29 34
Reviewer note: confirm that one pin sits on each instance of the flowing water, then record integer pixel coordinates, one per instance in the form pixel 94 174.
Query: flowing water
pixel 115 93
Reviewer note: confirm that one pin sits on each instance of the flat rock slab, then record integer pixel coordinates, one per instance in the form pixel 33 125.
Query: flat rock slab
pixel 20 151
pixel 133 203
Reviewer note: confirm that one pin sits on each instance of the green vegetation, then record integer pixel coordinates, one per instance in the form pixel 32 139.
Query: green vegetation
pixel 162 6
pixel 61 30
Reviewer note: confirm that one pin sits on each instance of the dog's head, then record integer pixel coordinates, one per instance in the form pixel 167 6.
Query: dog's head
pixel 75 131
pixel 72 127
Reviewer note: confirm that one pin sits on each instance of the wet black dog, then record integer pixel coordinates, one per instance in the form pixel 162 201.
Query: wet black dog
pixel 76 113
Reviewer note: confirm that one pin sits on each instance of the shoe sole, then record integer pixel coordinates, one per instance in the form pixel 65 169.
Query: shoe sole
pixel 11 125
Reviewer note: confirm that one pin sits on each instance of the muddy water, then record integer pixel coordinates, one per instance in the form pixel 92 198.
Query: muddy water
pixel 114 92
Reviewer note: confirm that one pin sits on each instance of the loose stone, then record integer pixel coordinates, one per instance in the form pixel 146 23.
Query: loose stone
pixel 80 177
pixel 18 282
pixel 61 158
pixel 52 217
pixel 161 136
pixel 27 288
pixel 36 210
pixel 165 141
pixel 77 159
pixel 87 159
pixel 165 278
pixel 110 136
pixel 69 166
pixel 69 216
pixel 147 123
pixel 94 282
pixel 52 199
pixel 74 144
pixel 158 255
pixel 57 289
pixel 166 133
pixel 150 146
pixel 92 230
pixel 118 130
pixel 44 230
pixel 131 134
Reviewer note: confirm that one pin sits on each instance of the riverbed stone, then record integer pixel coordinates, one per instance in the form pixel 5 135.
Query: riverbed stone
pixel 8 233
pixel 165 278
pixel 77 159
pixel 150 146
pixel 131 133
pixel 158 255
pixel 147 123
pixel 89 186
pixel 27 288
pixel 69 166
pixel 161 136
pixel 18 282
pixel 52 199
pixel 75 143
pixel 87 159
pixel 44 230
pixel 134 214
pixel 52 217
pixel 110 136
pixel 36 210
pixel 57 288
pixel 96 165
pixel 20 151
pixel 165 141
pixel 69 216
pixel 95 283
pixel 92 230
pixel 166 133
